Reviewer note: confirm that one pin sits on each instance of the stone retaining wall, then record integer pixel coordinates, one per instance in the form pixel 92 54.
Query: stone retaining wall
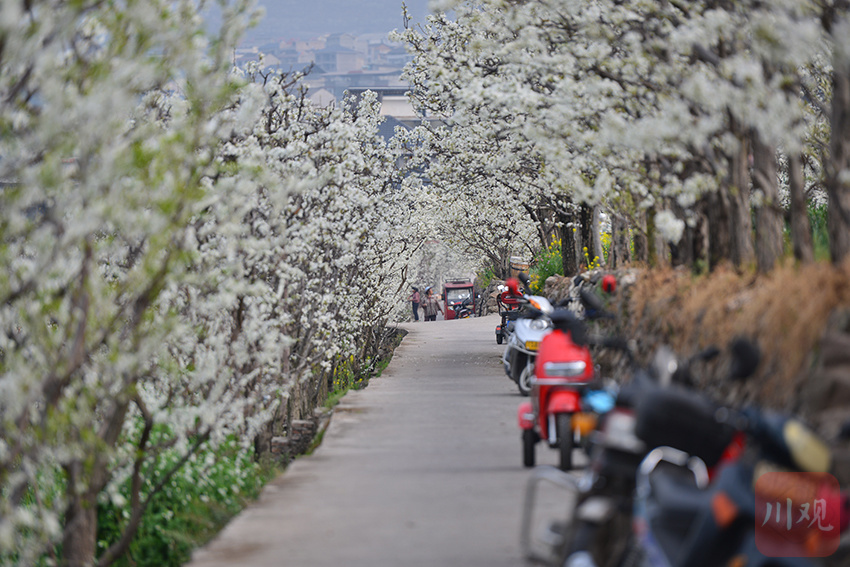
pixel 297 422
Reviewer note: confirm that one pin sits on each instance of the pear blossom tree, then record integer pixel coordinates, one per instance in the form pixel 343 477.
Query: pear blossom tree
pixel 97 238
pixel 190 252
pixel 743 69
pixel 509 72
pixel 335 244
pixel 678 110
pixel 488 180
pixel 186 249
pixel 480 214
pixel 835 19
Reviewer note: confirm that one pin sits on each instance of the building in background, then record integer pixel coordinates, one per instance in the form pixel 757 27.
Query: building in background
pixel 342 63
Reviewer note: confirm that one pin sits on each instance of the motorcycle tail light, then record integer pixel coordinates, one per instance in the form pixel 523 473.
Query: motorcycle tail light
pixel 584 423
pixel 619 431
pixel 620 422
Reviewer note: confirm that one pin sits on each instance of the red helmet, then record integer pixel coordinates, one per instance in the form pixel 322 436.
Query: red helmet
pixel 609 283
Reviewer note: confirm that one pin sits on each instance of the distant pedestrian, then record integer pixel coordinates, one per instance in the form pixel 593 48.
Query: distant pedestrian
pixel 431 305
pixel 414 300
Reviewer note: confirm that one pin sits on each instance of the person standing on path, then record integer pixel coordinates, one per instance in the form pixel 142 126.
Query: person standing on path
pixel 414 300
pixel 431 305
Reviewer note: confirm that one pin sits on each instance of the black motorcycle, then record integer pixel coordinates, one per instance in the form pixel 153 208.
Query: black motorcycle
pixel 699 498
pixel 750 512
pixel 599 520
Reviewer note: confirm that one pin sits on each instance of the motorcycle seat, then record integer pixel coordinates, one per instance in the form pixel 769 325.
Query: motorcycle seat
pixel 684 420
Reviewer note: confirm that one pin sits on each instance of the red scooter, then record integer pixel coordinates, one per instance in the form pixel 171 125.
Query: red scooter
pixel 562 370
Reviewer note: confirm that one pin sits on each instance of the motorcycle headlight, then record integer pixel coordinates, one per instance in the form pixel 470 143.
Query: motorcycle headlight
pixel 564 369
pixel 539 324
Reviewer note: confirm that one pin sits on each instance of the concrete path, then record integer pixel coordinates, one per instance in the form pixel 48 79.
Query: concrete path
pixel 421 468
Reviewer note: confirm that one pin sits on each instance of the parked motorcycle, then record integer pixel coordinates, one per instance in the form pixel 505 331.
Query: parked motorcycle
pixel 696 492
pixel 683 517
pixel 564 368
pixel 530 326
pixel 599 521
pixel 558 412
pixel 509 312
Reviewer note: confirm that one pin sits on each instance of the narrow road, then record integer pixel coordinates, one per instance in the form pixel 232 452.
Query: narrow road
pixel 421 468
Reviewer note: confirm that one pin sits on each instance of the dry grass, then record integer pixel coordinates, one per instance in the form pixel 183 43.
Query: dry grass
pixel 786 312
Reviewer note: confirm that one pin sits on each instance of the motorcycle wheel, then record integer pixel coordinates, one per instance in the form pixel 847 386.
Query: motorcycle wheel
pixel 564 425
pixel 528 442
pixel 499 338
pixel 524 382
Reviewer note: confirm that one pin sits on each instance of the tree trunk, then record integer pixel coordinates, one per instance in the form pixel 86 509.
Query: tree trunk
pixel 640 239
pixel 651 240
pixel 569 256
pixel 538 217
pixel 659 248
pixel 730 224
pixel 86 479
pixel 620 255
pixel 801 230
pixel 719 231
pixel 505 265
pixel 682 252
pixel 741 223
pixel 79 536
pixel 838 179
pixel 769 225
pixel 701 242
pixel 586 220
pixel 596 231
pixel 500 263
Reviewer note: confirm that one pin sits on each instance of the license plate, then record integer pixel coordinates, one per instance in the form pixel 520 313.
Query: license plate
pixel 532 345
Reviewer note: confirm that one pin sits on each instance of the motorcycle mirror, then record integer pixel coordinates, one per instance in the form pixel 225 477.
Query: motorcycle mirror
pixel 523 277
pixel 616 343
pixel 565 320
pixel 709 354
pixel 746 357
pixel 664 365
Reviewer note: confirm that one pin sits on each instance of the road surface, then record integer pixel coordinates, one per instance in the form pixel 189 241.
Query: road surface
pixel 421 468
